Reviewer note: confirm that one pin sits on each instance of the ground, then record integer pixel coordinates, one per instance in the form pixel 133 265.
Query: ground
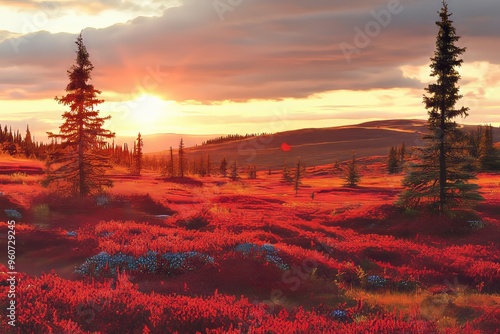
pixel 193 255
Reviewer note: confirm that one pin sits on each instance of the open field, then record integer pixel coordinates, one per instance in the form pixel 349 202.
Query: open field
pixel 211 255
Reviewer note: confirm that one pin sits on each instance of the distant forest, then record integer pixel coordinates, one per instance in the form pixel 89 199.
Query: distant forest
pixel 230 138
pixel 14 144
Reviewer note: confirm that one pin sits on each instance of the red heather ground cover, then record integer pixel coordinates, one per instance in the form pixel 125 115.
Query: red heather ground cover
pixel 356 264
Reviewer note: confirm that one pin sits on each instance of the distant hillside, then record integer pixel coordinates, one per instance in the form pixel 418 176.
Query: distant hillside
pixel 163 141
pixel 321 145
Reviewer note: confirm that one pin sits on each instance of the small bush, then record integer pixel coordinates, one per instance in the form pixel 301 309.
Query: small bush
pixel 407 286
pixel 375 282
pixel 197 221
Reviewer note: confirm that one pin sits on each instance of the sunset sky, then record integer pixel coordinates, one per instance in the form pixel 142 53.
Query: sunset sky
pixel 228 66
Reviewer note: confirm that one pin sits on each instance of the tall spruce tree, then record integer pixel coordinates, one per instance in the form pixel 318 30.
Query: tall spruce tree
pixel 441 177
pixel 79 161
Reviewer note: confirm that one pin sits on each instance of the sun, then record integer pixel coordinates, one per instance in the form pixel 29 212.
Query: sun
pixel 148 109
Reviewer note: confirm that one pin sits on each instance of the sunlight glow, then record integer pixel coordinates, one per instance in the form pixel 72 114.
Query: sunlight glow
pixel 147 109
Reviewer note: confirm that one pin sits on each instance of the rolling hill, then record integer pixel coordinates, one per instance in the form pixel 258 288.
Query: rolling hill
pixel 319 146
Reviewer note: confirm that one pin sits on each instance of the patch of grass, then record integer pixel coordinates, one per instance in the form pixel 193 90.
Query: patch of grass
pixel 448 311
pixel 220 210
pixel 478 300
pixel 19 178
pixel 388 300
pixel 41 214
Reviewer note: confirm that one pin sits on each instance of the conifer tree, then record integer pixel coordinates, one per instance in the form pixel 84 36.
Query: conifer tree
pixel 28 143
pixel 223 167
pixel 443 173
pixel 171 170
pixel 182 159
pixel 352 173
pixel 126 155
pixel 81 163
pixel 300 171
pixel 252 172
pixel 393 161
pixel 10 136
pixel 138 147
pixel 286 173
pixel 234 171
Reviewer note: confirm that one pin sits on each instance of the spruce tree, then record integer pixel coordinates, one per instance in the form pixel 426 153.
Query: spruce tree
pixel 300 171
pixel 234 171
pixel 393 161
pixel 10 136
pixel 252 172
pixel 138 147
pixel 286 174
pixel 223 167
pixel 126 155
pixel 171 171
pixel 78 164
pixel 182 159
pixel 352 173
pixel 443 173
pixel 28 143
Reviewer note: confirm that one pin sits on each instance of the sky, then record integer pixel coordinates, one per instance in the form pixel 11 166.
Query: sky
pixel 241 66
